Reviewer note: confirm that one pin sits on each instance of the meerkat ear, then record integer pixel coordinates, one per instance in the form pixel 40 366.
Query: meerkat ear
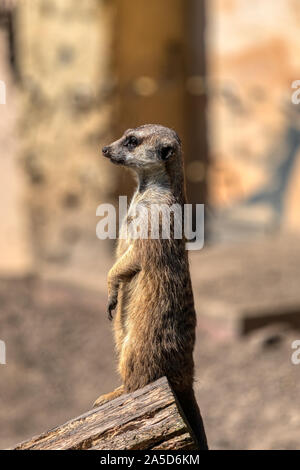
pixel 165 152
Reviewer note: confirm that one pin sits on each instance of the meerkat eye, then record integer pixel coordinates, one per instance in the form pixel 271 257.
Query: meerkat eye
pixel 131 142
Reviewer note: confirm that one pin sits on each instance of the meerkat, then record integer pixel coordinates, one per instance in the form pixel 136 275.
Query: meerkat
pixel 149 286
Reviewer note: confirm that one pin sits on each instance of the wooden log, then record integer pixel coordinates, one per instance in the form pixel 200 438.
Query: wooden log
pixel 146 419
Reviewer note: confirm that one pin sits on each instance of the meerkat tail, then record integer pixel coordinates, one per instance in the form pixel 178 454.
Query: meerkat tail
pixel 192 413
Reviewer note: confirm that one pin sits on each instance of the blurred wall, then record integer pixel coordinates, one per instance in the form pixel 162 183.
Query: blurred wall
pixel 15 252
pixel 86 71
pixel 64 63
pixel 160 60
pixel 253 52
pixel 150 65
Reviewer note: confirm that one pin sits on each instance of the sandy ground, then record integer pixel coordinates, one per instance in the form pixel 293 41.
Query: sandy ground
pixel 249 390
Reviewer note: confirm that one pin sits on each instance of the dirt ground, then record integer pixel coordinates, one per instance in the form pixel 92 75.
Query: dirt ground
pixel 249 390
pixel 60 357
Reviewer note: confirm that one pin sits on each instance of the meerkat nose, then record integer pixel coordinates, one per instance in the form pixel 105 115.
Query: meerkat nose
pixel 105 151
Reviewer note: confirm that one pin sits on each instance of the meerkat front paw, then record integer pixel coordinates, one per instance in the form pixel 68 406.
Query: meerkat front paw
pixel 108 396
pixel 111 306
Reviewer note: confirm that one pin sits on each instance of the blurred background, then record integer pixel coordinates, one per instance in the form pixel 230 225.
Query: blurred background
pixel 220 72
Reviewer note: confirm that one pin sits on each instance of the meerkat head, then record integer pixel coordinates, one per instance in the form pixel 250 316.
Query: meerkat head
pixel 146 148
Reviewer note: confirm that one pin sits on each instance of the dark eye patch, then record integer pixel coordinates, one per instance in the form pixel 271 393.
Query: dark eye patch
pixel 131 142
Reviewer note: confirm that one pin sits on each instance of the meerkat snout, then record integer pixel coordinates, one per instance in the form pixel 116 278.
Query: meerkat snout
pixel 105 151
pixel 115 157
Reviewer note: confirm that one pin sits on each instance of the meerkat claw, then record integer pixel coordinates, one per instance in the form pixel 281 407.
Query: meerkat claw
pixel 109 314
pixel 112 303
pixel 108 397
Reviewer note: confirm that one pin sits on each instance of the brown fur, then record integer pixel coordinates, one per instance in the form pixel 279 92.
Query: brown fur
pixel 150 282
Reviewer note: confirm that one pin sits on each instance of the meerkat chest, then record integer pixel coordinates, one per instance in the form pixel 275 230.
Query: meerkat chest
pixel 135 221
pixel 143 211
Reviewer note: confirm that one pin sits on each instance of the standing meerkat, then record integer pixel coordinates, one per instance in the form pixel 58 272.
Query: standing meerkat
pixel 150 285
